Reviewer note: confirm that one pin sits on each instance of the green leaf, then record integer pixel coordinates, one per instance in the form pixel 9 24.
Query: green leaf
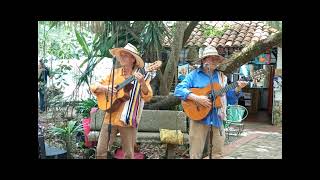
pixel 84 61
pixel 52 24
pixel 71 125
pixel 83 43
pixel 95 38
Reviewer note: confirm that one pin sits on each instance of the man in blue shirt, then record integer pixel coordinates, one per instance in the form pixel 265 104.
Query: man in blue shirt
pixel 182 75
pixel 200 78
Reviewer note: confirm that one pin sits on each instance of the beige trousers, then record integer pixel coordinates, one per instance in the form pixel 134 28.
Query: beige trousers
pixel 197 138
pixel 128 139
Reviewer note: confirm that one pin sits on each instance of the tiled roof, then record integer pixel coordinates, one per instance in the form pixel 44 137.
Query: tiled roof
pixel 239 34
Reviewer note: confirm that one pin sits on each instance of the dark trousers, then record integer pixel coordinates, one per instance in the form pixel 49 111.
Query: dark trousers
pixel 42 101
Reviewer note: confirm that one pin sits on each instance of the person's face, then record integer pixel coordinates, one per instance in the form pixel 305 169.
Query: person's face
pixel 126 61
pixel 39 65
pixel 212 61
pixel 183 71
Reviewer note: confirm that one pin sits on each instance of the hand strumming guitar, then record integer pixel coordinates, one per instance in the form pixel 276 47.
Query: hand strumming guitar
pixel 105 88
pixel 202 100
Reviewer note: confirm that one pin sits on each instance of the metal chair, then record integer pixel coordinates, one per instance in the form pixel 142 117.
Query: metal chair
pixel 235 116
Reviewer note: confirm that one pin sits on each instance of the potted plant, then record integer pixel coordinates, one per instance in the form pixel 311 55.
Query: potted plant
pixel 84 108
pixel 67 133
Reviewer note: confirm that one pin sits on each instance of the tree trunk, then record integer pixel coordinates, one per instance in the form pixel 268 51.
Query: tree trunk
pixel 162 102
pixel 251 51
pixel 189 30
pixel 68 147
pixel 171 67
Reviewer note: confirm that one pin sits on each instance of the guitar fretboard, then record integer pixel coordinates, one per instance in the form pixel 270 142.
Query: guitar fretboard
pixel 129 80
pixel 225 89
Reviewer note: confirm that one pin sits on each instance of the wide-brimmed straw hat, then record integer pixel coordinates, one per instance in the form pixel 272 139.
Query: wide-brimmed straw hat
pixel 210 51
pixel 130 49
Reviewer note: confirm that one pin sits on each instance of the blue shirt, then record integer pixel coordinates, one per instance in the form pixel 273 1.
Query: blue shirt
pixel 181 77
pixel 199 79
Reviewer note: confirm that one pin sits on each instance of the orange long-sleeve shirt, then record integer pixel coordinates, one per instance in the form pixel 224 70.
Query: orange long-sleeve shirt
pixel 101 96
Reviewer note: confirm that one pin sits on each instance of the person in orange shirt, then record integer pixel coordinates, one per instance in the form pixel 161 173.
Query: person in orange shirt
pixel 125 118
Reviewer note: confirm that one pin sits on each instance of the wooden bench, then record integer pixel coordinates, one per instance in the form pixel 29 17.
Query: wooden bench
pixel 150 124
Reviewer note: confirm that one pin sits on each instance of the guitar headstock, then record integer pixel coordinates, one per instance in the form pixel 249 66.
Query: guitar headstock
pixel 257 76
pixel 154 66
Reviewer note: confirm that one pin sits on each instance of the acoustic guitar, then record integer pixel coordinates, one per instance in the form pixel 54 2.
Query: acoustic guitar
pixel 197 112
pixel 123 89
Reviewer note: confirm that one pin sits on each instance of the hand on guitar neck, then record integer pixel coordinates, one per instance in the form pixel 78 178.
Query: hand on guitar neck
pixel 241 84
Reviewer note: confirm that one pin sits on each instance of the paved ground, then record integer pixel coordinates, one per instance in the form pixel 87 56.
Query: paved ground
pixel 259 141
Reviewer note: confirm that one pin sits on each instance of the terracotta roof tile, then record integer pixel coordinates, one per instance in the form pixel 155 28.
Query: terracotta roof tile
pixel 259 31
pixel 236 43
pixel 249 35
pixel 232 37
pixel 255 39
pixel 239 34
pixel 239 38
pixel 222 41
pixel 234 33
pixel 220 45
pixel 206 44
pixel 224 37
pixel 237 29
pixel 201 40
pixel 237 26
pixel 216 40
pixel 228 32
pixel 189 44
pixel 243 31
pixel 251 30
pixel 244 43
pixel 214 44
pixel 247 39
pixel 229 43
pixel 256 34
pixel 198 44
pixel 245 28
pixel 263 37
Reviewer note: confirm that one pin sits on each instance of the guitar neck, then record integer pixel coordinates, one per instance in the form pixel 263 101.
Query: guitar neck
pixel 127 81
pixel 225 89
pixel 124 83
pixel 235 84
